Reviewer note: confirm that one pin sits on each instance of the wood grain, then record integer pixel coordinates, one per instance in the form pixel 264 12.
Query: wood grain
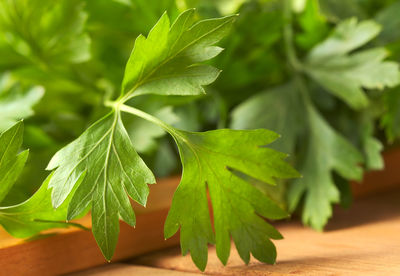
pixel 364 240
pixel 128 270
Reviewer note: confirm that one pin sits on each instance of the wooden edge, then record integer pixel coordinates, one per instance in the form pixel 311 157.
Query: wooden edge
pixel 77 250
pixel 380 181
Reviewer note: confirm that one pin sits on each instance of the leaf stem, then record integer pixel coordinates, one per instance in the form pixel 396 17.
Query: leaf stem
pixel 288 37
pixel 294 63
pixel 137 112
pixel 73 224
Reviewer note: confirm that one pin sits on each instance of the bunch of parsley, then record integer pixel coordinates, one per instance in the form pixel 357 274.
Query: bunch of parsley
pixel 330 100
pixel 98 104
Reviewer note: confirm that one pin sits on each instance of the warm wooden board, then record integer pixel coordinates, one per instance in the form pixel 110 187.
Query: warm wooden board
pixel 128 270
pixel 364 240
pixel 380 181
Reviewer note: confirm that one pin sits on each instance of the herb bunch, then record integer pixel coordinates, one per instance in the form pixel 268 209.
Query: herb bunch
pixel 324 76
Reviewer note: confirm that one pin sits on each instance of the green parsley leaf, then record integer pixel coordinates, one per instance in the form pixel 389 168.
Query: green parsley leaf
pixel 11 161
pixel 324 150
pixel 327 151
pixel 262 109
pixel 17 104
pixel 209 160
pixel 166 62
pixel 34 215
pixel 372 148
pixel 103 156
pixel 111 170
pixel 344 74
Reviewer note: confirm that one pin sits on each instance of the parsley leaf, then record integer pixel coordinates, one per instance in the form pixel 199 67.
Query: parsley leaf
pixel 372 147
pixel 327 151
pixel 208 161
pixel 324 149
pixel 111 169
pixel 34 215
pixel 166 61
pixel 344 74
pixel 103 155
pixel 11 162
pixel 24 219
pixel 283 102
pixel 16 103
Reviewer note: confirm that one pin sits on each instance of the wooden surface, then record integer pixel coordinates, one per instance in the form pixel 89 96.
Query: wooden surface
pixel 127 270
pixel 364 240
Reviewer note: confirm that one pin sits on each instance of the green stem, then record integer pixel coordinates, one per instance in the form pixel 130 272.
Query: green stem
pixel 148 117
pixel 77 225
pixel 302 87
pixel 288 37
pixel 291 55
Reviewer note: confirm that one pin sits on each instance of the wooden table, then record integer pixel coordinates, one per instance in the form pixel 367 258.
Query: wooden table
pixel 364 240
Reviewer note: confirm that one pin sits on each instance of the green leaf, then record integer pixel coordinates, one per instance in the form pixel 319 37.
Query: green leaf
pixel 372 148
pixel 263 109
pixel 209 160
pixel 344 187
pixel 34 215
pixel 22 220
pixel 167 61
pixel 321 151
pixel 326 151
pixel 111 170
pixel 11 161
pixel 17 104
pixel 345 74
pixel 346 37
